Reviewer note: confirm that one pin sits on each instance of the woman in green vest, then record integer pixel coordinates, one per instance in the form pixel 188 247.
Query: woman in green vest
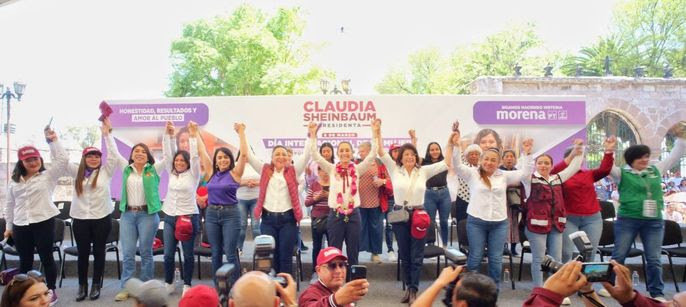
pixel 140 202
pixel 640 207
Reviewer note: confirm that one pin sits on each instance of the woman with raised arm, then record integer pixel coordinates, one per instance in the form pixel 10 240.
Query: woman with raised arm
pixel 90 211
pixel 278 204
pixel 640 207
pixel 344 221
pixel 487 212
pixel 437 196
pixel 181 222
pixel 30 212
pixel 545 209
pixel 581 200
pixel 140 204
pixel 223 217
pixel 409 179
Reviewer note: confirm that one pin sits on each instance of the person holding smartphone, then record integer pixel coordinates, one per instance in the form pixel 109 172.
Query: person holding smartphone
pixel 331 289
pixel 318 200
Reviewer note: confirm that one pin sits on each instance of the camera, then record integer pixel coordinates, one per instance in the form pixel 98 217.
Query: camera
pixel 457 258
pixel 264 258
pixel 594 271
pixel 223 277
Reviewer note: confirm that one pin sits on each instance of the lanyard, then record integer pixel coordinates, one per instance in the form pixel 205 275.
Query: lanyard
pixel 649 195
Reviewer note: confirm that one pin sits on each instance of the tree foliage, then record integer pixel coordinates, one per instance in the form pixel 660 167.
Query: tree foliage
pixel 646 33
pixel 429 72
pixel 245 53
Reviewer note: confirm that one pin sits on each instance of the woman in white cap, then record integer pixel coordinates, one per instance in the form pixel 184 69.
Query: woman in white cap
pixel 30 212
pixel 90 211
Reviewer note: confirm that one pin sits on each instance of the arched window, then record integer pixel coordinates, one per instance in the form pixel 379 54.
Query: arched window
pixel 605 124
pixel 678 170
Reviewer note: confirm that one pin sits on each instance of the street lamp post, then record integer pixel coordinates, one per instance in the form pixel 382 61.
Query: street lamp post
pixel 345 86
pixel 8 95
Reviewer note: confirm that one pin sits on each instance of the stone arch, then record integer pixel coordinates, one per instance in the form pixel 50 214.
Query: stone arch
pixel 610 122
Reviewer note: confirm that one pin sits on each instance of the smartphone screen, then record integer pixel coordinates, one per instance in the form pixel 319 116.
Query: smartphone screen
pixel 597 271
pixel 358 272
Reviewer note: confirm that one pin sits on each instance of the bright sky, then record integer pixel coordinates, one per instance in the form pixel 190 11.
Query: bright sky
pixel 72 54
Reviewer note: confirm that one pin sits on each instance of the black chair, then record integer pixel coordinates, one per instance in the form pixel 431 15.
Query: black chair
pixel 673 237
pixel 463 243
pixel 607 210
pixel 607 241
pixel 65 207
pixel 525 249
pixel 160 250
pixel 111 245
pixel 57 245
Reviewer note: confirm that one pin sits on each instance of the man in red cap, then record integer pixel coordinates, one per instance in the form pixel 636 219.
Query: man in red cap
pixel 331 290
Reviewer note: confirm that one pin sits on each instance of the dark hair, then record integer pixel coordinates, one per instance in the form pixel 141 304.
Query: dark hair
pixel 635 152
pixel 477 290
pixel 544 155
pixel 20 170
pixel 181 131
pixel 486 131
pixel 427 156
pixel 12 294
pixel 401 151
pixel 568 151
pixel 227 152
pixel 81 175
pixel 327 144
pixel 186 157
pixel 151 159
pixel 506 151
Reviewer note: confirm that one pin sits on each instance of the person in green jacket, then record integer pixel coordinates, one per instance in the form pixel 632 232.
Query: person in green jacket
pixel 640 207
pixel 140 202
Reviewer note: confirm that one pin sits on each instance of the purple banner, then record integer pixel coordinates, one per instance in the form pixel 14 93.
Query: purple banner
pixel 530 112
pixel 298 143
pixel 155 115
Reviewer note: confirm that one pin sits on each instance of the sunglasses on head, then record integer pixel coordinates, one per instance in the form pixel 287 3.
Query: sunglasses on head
pixel 24 277
pixel 333 265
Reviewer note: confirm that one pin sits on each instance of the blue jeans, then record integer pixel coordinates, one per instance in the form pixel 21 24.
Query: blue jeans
pixel 372 230
pixel 283 228
pixel 439 200
pixel 543 244
pixel 389 229
pixel 137 227
pixel 592 225
pixel 223 226
pixel 247 206
pixel 480 233
pixel 410 253
pixel 651 232
pixel 170 243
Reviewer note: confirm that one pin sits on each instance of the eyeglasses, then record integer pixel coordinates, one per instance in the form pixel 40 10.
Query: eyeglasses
pixel 333 265
pixel 24 277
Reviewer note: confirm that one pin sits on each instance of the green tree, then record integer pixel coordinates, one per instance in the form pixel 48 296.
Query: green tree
pixel 82 136
pixel 429 72
pixel 648 33
pixel 246 53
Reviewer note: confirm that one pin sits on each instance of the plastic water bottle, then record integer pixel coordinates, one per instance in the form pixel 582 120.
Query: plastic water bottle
pixel 634 279
pixel 178 283
pixel 506 276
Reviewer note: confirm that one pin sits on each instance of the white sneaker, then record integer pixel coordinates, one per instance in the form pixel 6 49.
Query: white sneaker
pixel 566 301
pixel 392 257
pixel 376 259
pixel 602 292
pixel 660 298
pixel 185 288
pixel 171 288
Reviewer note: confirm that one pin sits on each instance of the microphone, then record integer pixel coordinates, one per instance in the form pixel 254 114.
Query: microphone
pixel 583 245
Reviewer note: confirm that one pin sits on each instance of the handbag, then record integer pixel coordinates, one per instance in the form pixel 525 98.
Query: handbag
pixel 401 215
pixel 7 275
pixel 319 223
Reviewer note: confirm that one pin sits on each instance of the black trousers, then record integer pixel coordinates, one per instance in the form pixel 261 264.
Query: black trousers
pixel 93 233
pixel 40 236
pixel 339 231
